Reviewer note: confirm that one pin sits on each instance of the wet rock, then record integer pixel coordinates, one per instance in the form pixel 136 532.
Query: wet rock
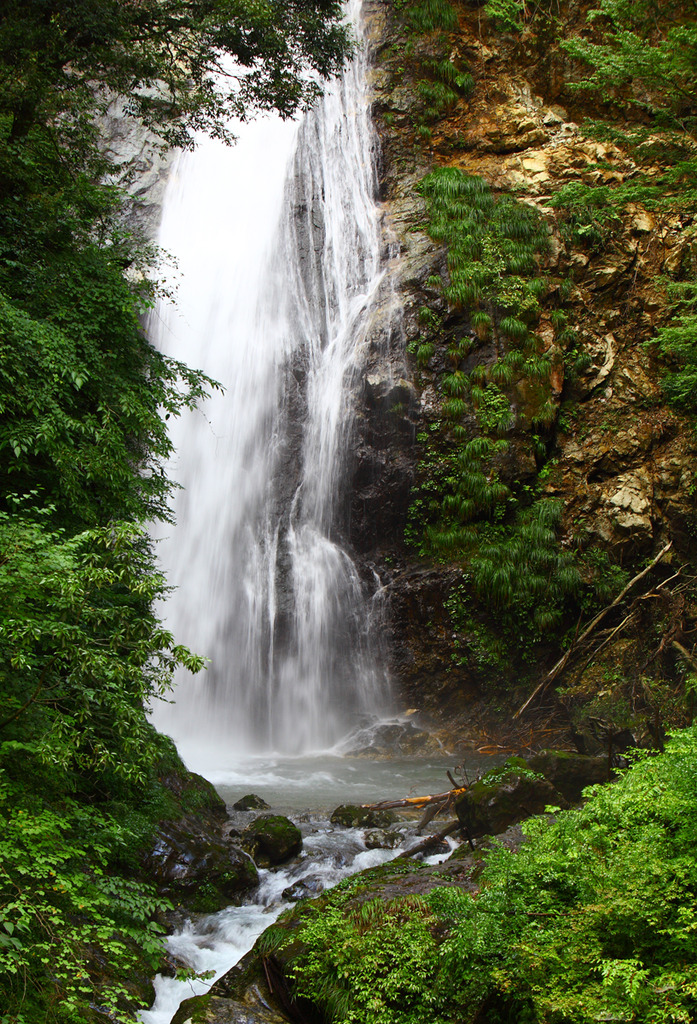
pixel 303 889
pixel 251 802
pixel 505 796
pixel 569 772
pixel 211 1009
pixel 353 816
pixel 398 740
pixel 191 863
pixel 272 839
pixel 193 792
pixel 378 839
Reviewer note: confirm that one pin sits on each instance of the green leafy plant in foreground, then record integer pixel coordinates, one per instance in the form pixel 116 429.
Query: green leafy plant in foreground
pixel 81 649
pixel 81 653
pixel 592 919
pixel 62 904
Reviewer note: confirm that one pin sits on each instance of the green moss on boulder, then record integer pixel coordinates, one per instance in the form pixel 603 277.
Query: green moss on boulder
pixel 250 802
pixel 505 796
pixel 353 816
pixel 570 772
pixel 272 839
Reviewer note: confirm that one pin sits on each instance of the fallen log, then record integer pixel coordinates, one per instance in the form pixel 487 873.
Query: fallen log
pixel 561 664
pixel 434 840
pixel 416 801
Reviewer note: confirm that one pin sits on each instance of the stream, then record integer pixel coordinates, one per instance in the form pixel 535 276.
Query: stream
pixel 306 789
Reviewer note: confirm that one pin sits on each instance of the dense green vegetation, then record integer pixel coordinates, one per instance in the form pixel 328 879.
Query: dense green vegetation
pixel 83 443
pixel 504 531
pixel 592 919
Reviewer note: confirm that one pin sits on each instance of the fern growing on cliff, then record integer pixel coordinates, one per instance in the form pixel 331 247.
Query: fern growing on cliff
pixel 433 15
pixel 526 573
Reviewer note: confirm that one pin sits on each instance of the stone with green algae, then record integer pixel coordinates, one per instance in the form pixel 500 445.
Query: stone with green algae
pixel 272 839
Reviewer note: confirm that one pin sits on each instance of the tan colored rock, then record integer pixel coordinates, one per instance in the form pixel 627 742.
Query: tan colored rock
pixel 604 355
pixel 631 493
pixel 606 275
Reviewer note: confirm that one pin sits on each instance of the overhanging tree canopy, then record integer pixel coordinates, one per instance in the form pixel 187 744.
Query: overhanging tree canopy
pixel 54 55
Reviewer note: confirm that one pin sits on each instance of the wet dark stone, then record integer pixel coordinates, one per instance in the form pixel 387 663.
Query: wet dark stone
pixel 353 816
pixel 302 889
pixel 505 796
pixel 251 802
pixel 272 839
pixel 568 772
pixel 377 839
pixel 192 863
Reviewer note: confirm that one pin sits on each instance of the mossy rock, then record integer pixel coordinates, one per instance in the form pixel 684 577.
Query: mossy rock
pixel 272 839
pixel 353 816
pixel 505 796
pixel 570 772
pixel 191 864
pixel 211 1009
pixel 251 802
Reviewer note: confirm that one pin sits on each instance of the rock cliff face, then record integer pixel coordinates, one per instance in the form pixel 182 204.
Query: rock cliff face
pixel 606 444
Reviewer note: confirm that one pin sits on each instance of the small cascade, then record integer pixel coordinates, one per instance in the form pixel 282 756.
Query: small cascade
pixel 278 247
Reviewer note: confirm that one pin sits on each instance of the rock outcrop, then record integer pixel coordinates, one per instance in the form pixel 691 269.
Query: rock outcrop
pixel 191 858
pixel 617 457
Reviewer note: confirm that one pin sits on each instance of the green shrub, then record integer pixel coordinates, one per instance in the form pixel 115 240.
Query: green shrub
pixel 591 920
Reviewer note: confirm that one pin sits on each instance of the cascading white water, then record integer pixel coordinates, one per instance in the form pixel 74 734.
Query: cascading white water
pixel 278 245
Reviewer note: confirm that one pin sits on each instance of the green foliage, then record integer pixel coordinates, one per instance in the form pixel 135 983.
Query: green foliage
pixel 677 343
pixel 376 972
pixel 656 57
pixel 493 249
pixel 525 575
pixel 81 650
pixel 60 903
pixel 474 491
pixel 82 395
pixel 642 56
pixel 56 59
pixel 592 919
pixel 506 15
pixel 431 16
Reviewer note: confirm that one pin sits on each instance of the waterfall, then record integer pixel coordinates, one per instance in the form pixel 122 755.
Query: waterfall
pixel 278 247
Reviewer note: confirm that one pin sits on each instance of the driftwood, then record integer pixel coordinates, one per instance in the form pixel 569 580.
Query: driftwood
pixel 417 801
pixel 557 669
pixel 432 811
pixel 434 840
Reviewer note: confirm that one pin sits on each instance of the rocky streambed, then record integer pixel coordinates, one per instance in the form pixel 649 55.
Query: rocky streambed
pixel 284 862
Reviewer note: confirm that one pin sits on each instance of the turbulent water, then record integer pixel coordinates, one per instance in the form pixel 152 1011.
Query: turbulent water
pixel 278 247
pixel 329 854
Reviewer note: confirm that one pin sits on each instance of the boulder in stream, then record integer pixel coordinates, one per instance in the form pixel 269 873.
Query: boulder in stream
pixel 505 796
pixel 192 864
pixel 303 889
pixel 378 839
pixel 272 839
pixel 570 772
pixel 251 802
pixel 212 1009
pixel 354 816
